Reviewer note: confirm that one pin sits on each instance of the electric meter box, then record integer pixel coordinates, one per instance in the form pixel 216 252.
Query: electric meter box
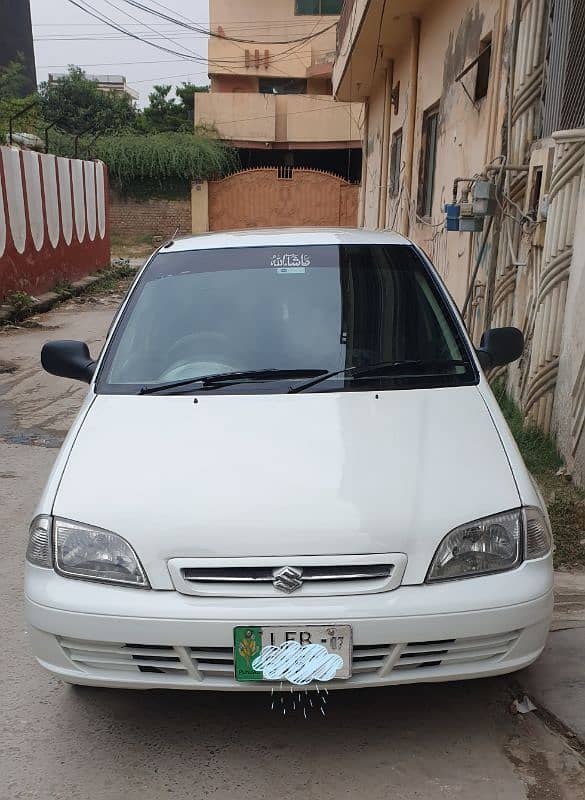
pixel 484 198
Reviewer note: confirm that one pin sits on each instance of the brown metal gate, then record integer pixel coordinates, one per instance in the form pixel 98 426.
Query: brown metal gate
pixel 283 196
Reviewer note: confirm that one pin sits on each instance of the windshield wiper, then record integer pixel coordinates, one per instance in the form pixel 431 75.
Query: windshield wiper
pixel 381 369
pixel 235 377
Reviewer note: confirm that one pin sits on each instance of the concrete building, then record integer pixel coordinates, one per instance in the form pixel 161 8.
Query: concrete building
pixel 271 92
pixel 16 40
pixel 490 88
pixel 105 83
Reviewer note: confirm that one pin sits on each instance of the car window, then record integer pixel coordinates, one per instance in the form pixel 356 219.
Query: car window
pixel 198 313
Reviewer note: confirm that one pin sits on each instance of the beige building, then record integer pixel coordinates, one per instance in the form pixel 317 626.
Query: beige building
pixel 270 66
pixel 489 88
pixel 105 83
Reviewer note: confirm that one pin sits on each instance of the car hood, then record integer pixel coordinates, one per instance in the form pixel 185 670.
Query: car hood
pixel 271 475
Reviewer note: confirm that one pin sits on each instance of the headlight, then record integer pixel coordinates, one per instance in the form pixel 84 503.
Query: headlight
pixel 81 551
pixel 38 551
pixel 491 544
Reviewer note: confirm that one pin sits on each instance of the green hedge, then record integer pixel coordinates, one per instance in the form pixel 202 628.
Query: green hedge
pixel 163 163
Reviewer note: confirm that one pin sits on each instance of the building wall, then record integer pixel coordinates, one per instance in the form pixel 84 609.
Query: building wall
pixel 152 217
pixel 373 155
pixel 569 411
pixel 450 35
pixel 250 119
pixel 16 37
pixel 239 116
pixel 531 272
pixel 281 23
pixel 461 149
pixel 53 220
pixel 279 118
pixel 233 83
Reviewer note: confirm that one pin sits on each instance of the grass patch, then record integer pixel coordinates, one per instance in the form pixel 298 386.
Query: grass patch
pixel 564 500
pixel 111 279
pixel 134 246
pixel 538 450
pixel 64 289
pixel 115 279
pixel 20 301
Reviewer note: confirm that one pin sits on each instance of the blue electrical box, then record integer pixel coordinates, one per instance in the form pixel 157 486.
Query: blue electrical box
pixel 453 212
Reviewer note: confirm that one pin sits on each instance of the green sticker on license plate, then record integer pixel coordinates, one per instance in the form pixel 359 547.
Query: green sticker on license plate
pixel 247 647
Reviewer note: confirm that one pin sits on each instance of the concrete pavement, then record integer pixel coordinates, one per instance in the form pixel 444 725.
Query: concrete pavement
pixel 424 742
pixel 557 681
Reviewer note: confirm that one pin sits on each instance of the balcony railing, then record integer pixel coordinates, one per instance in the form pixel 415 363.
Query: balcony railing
pixel 344 21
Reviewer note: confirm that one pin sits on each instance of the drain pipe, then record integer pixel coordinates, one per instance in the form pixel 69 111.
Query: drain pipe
pixel 365 187
pixel 504 181
pixel 383 191
pixel 491 149
pixel 409 151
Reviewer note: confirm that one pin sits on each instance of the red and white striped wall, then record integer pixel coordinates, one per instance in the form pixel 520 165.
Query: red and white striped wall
pixel 53 220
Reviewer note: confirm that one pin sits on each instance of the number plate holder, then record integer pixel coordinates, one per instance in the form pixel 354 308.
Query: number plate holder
pixel 249 640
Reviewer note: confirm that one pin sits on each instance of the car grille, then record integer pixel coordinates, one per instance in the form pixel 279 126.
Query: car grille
pixel 421 655
pixel 317 576
pixel 124 657
pixel 193 665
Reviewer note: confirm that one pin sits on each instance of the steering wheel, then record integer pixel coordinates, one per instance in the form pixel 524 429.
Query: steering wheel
pixel 202 353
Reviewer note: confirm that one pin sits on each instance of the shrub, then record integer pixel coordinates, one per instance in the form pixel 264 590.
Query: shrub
pixel 163 162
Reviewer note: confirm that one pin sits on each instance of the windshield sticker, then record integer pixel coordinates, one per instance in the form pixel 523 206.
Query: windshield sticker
pixel 291 271
pixel 290 262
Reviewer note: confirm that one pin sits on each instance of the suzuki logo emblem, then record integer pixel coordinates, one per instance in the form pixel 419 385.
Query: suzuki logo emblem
pixel 287 579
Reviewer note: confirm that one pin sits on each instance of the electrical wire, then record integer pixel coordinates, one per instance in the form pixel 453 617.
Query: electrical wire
pixel 114 64
pixel 132 35
pixel 223 63
pixel 149 27
pixel 194 27
pixel 163 77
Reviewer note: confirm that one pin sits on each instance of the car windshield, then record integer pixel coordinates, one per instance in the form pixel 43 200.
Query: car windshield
pixel 309 309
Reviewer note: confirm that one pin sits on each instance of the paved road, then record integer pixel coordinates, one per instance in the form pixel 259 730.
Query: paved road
pixel 443 741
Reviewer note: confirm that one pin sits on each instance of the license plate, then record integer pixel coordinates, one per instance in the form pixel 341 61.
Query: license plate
pixel 250 641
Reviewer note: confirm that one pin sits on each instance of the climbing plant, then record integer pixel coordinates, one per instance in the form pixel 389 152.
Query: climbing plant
pixel 163 163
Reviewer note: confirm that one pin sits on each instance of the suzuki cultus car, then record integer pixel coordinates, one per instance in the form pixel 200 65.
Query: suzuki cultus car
pixel 289 466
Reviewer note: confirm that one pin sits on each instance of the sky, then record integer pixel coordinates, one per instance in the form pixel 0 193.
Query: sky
pixel 63 35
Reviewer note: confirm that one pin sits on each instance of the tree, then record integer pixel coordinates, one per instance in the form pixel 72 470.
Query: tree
pixel 163 114
pixel 166 114
pixel 12 81
pixel 75 104
pixel 186 93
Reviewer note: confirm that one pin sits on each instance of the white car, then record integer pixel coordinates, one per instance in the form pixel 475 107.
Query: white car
pixel 289 467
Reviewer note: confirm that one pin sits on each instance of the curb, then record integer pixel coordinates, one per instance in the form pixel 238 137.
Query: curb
pixel 46 301
pixel 552 722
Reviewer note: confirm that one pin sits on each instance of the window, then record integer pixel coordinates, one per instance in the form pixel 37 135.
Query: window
pixel 482 77
pixel 316 307
pixel 282 86
pixel 318 8
pixel 395 162
pixel 564 97
pixel 428 161
pixel 535 193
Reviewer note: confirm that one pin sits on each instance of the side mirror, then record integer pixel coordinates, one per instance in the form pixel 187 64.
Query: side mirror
pixel 68 359
pixel 500 346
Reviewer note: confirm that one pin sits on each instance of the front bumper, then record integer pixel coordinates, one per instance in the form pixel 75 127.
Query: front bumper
pixel 111 636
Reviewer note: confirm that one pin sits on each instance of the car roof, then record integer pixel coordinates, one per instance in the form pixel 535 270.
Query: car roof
pixel 284 237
